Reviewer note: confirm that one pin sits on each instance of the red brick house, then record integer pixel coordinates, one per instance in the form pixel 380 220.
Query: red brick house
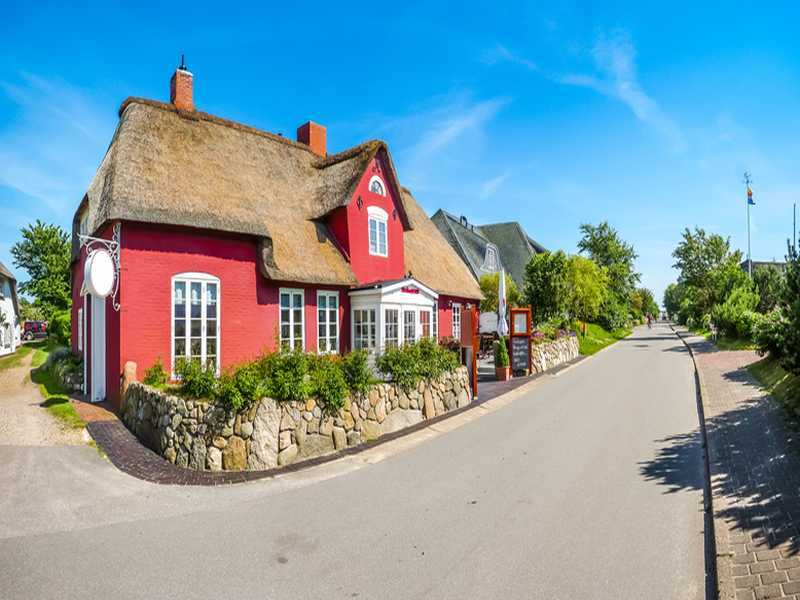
pixel 230 240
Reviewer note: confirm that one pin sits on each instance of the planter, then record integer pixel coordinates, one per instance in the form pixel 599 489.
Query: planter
pixel 502 373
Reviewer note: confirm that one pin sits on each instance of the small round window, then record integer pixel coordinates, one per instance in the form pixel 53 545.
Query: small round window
pixel 376 186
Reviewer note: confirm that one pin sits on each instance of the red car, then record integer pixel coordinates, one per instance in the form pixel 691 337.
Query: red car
pixel 32 330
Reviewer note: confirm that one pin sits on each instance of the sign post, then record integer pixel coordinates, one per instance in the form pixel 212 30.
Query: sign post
pixel 520 340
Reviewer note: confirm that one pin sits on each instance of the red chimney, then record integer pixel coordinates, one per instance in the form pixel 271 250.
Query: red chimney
pixel 313 135
pixel 180 88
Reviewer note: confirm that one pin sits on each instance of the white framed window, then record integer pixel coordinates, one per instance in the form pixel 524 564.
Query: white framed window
pixel 292 303
pixel 457 321
pixel 378 226
pixel 327 322
pixel 425 323
pixel 391 334
pixel 409 326
pixel 79 325
pixel 376 185
pixel 364 328
pixel 195 319
pixel 435 319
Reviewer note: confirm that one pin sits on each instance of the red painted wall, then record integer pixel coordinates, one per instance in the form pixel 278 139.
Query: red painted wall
pixel 350 226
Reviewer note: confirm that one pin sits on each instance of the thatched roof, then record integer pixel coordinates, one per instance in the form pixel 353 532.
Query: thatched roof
pixel 192 169
pixel 6 273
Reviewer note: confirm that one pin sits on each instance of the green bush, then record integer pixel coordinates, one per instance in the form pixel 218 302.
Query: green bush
pixel 769 333
pixel 357 372
pixel 328 383
pixel 196 381
pixel 613 314
pixel 734 317
pixel 689 322
pixel 60 327
pixel 156 375
pixel 501 358
pixel 287 375
pixel 410 363
pixel 228 393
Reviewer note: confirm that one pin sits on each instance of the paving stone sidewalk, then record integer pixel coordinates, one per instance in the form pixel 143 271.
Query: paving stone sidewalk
pixel 754 458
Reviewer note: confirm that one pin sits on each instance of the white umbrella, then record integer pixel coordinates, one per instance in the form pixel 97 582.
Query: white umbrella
pixel 502 305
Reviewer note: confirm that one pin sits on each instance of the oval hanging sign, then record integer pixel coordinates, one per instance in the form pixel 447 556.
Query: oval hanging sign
pixel 99 274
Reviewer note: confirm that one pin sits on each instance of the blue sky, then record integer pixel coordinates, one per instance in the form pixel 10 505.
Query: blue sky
pixel 645 117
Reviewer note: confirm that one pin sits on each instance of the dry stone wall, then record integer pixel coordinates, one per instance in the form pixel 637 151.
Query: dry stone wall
pixel 551 354
pixel 268 434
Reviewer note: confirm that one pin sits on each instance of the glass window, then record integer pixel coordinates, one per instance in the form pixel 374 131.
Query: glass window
pixel 425 323
pixel 457 321
pixel 291 314
pixel 195 322
pixel 392 328
pixel 409 326
pixel 364 329
pixel 378 243
pixel 435 315
pixel 328 321
pixel 376 186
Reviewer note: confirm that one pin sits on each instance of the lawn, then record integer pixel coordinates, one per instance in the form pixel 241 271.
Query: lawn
pixel 780 384
pixel 726 343
pixel 14 360
pixel 56 399
pixel 597 338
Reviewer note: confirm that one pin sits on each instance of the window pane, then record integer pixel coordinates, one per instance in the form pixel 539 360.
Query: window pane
pixel 211 293
pixel 297 300
pixel 180 328
pixel 298 332
pixel 322 316
pixel 284 332
pixel 322 302
pixel 180 311
pixel 323 345
pixel 196 347
pixel 180 348
pixel 211 347
pixel 321 331
pixel 180 292
pixel 284 300
pixel 284 315
pixel 333 302
pixel 211 328
pixel 332 330
pixel 196 328
pixel 211 310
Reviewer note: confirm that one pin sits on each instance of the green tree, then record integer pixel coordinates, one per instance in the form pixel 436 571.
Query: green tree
pixel 604 246
pixel 698 253
pixel 29 311
pixel 587 287
pixel 643 303
pixel 546 285
pixel 44 253
pixel 769 283
pixel 489 284
pixel 791 313
pixel 673 296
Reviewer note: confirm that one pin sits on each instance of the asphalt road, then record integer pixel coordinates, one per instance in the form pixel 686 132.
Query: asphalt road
pixel 587 486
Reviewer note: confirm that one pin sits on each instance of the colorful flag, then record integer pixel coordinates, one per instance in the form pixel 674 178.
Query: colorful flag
pixel 750 200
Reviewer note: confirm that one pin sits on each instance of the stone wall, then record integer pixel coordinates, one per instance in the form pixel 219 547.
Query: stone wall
pixel 267 434
pixel 551 354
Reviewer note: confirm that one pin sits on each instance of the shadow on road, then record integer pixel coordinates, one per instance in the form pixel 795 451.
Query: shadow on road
pixel 677 465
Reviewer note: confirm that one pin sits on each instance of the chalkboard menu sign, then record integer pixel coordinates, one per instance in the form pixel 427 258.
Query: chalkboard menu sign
pixel 520 353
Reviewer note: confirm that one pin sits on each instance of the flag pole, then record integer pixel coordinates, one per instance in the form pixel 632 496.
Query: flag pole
pixel 747 182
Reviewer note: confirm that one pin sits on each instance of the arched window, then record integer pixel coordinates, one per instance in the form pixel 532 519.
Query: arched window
pixel 376 186
pixel 490 262
pixel 195 319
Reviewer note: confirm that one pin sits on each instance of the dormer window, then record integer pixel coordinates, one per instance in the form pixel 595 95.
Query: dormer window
pixel 378 238
pixel 490 262
pixel 376 186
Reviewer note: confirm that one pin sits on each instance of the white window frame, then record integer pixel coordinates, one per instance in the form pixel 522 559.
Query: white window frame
pixel 398 325
pixel 292 340
pixel 380 181
pixel 327 294
pixel 457 321
pixel 435 320
pixel 373 322
pixel 413 311
pixel 79 325
pixel 188 279
pixel 381 219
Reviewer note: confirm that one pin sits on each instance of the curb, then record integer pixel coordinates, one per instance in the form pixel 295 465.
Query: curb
pixel 713 584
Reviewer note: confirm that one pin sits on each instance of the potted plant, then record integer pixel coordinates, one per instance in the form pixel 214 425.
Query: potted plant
pixel 502 364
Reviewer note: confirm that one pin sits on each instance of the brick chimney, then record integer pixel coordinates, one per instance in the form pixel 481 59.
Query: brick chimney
pixel 314 136
pixel 180 88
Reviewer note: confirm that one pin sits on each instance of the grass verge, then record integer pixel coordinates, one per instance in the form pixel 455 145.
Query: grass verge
pixel 56 399
pixel 778 382
pixel 597 338
pixel 726 343
pixel 14 360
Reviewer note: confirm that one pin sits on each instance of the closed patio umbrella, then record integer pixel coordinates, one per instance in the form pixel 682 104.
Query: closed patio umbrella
pixel 502 306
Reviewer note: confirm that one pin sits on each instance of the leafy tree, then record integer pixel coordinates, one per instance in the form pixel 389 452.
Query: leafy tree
pixel 604 246
pixel 44 253
pixel 643 303
pixel 587 287
pixel 546 285
pixel 769 283
pixel 29 311
pixel 489 286
pixel 791 312
pixel 698 253
pixel 673 296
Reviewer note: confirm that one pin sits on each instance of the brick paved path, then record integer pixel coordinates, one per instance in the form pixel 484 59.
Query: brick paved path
pixel 755 476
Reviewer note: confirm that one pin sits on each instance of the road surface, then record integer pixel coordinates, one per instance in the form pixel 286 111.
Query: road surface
pixel 587 486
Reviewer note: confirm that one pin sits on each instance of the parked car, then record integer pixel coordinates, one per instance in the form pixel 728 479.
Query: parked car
pixel 32 330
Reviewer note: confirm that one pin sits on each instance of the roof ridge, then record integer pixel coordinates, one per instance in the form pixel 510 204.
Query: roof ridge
pixel 332 159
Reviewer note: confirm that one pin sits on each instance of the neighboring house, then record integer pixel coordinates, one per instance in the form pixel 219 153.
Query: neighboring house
pixel 771 264
pixel 9 312
pixel 233 240
pixel 488 248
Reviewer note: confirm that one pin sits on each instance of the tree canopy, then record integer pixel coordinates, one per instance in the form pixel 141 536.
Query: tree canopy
pixel 44 254
pixel 546 285
pixel 489 286
pixel 587 286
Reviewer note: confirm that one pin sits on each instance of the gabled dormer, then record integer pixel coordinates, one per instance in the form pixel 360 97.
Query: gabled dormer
pixel 370 227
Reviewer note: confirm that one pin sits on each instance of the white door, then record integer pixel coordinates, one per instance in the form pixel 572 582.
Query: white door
pixel 98 349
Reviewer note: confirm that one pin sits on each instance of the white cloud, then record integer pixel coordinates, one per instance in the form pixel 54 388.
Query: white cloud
pixel 52 150
pixel 490 187
pixel 501 54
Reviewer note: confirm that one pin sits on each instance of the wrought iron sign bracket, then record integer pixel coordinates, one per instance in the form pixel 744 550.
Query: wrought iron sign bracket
pixel 92 245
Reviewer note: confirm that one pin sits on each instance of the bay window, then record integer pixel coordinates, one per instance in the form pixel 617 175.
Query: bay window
pixel 292 319
pixel 328 322
pixel 195 319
